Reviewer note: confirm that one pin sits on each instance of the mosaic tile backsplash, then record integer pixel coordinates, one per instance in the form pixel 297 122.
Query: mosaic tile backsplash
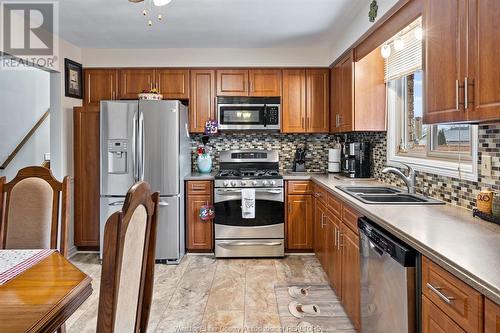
pixel 452 190
pixel 316 146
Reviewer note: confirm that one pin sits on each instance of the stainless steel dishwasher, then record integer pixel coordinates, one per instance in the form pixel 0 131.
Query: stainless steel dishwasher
pixel 388 275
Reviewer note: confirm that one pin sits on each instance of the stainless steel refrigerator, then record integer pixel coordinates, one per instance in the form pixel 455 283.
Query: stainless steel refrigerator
pixel 147 140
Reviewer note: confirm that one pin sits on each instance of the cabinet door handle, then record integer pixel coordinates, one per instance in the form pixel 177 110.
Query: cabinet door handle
pixel 466 92
pixel 437 291
pixel 322 220
pixel 457 87
pixel 302 123
pixel 341 237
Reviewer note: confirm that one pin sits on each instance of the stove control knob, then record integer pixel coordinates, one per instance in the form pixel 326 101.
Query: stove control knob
pixel 254 183
pixel 265 183
pixel 243 183
pixel 233 183
pixel 225 183
pixel 273 183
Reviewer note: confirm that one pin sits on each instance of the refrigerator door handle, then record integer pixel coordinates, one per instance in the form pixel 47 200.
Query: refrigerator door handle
pixel 134 147
pixel 163 203
pixel 117 203
pixel 141 145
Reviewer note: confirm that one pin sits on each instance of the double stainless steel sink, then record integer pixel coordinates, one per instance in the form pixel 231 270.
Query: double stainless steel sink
pixel 386 195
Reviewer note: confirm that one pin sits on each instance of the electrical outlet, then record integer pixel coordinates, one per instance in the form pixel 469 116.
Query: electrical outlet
pixel 485 165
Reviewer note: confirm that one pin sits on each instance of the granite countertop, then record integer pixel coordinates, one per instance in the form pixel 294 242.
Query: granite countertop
pixel 467 247
pixel 200 176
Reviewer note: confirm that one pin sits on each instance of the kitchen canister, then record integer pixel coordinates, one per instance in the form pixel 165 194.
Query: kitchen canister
pixel 204 163
pixel 484 201
pixel 495 208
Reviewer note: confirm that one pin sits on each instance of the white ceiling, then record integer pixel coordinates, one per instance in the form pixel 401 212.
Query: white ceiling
pixel 207 23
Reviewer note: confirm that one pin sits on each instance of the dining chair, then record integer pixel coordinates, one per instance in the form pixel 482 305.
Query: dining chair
pixel 126 289
pixel 33 207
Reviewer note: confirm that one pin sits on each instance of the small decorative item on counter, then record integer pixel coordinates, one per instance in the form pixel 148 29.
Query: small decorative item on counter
pixel 204 160
pixel 207 212
pixel 484 201
pixel 211 127
pixel 152 95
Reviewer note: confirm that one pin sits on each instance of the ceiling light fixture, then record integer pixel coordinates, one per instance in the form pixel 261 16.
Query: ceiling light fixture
pixel 385 50
pixel 399 44
pixel 419 33
pixel 149 6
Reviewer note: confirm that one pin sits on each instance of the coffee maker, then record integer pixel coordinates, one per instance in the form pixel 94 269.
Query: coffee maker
pixel 299 162
pixel 356 159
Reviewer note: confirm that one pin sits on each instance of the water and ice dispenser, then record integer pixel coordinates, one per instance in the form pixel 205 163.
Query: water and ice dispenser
pixel 117 156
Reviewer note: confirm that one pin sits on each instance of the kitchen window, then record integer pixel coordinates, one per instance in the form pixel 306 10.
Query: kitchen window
pixel 443 149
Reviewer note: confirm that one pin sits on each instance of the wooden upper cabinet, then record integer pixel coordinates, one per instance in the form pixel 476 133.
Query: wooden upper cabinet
pixel 317 97
pixel 173 83
pixel 134 81
pixel 346 93
pixel 202 99
pixel 265 82
pixel 491 317
pixel 232 82
pixel 293 101
pixel 300 222
pixel 462 46
pixel 370 93
pixel 343 95
pixel 100 84
pixel 484 96
pixel 445 26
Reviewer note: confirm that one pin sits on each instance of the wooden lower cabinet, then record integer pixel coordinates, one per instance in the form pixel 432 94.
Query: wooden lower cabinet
pixel 351 287
pixel 320 233
pixel 299 222
pixel 199 233
pixel 336 246
pixel 86 171
pixel 491 317
pixel 436 321
pixel 334 254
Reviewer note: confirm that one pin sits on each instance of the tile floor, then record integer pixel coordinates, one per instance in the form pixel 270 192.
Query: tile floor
pixel 204 294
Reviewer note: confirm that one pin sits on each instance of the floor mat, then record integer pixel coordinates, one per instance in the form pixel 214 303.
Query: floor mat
pixel 332 317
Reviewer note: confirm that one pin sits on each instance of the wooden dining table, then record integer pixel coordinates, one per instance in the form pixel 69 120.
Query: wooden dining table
pixel 43 297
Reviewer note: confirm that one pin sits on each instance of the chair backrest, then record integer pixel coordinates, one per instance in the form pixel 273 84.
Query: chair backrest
pixel 32 205
pixel 126 289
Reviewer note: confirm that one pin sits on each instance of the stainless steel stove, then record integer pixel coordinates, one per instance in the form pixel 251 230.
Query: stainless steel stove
pixel 263 234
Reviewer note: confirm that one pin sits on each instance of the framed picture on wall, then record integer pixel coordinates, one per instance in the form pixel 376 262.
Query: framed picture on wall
pixel 73 79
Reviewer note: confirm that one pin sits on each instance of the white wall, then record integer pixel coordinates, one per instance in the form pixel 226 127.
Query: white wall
pixel 62 126
pixel 205 57
pixel 356 27
pixel 24 97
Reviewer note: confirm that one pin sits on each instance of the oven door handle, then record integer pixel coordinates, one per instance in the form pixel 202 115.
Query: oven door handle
pixel 227 191
pixel 251 244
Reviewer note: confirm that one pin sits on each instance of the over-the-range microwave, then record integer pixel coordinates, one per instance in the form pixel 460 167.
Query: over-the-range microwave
pixel 249 113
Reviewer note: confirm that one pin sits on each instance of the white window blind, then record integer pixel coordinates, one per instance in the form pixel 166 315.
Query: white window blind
pixel 409 59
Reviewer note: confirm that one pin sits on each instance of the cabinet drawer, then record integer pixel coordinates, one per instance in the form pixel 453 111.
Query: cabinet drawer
pixel 199 187
pixel 300 187
pixel 320 193
pixel 350 218
pixel 457 300
pixel 435 320
pixel 335 206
